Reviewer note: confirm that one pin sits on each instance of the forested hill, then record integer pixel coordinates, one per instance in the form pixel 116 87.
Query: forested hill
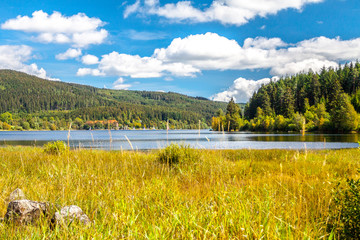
pixel 23 94
pixel 329 100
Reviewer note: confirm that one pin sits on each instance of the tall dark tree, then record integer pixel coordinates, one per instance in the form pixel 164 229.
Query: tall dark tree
pixel 232 115
pixel 287 107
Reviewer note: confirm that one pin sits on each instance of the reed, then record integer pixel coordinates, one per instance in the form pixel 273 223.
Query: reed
pixel 228 194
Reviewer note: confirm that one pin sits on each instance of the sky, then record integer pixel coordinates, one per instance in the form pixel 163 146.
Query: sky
pixel 216 49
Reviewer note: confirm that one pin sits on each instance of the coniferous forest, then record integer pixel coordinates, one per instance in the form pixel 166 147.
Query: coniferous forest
pixel 28 102
pixel 328 101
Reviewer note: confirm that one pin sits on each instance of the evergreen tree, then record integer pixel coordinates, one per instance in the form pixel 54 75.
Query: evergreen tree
pixel 287 108
pixel 343 115
pixel 232 116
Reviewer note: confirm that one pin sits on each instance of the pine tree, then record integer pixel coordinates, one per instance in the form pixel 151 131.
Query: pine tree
pixel 232 116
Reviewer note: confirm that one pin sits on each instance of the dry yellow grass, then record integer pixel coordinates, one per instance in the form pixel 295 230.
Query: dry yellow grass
pixel 242 194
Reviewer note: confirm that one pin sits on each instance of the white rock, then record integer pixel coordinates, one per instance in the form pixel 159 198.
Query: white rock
pixel 69 214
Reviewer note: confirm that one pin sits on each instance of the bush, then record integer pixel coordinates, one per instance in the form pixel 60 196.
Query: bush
pixel 25 125
pixel 6 126
pixel 52 127
pixel 57 147
pixel 174 154
pixel 345 211
pixel 18 128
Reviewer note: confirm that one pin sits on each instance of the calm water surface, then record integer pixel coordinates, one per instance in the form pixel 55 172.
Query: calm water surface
pixel 152 139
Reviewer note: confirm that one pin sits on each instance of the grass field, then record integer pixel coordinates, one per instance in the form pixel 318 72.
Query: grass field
pixel 237 194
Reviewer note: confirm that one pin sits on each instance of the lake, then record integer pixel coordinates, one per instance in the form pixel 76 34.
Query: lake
pixel 205 139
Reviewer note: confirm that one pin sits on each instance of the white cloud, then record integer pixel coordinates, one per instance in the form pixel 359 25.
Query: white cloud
pixel 224 11
pixel 129 65
pixel 132 8
pixel 89 71
pixel 15 57
pixel 264 43
pixel 134 66
pixel 205 51
pixel 90 59
pixel 241 90
pixel 195 53
pixel 70 53
pixel 296 67
pixel 78 30
pixel 213 52
pixel 119 84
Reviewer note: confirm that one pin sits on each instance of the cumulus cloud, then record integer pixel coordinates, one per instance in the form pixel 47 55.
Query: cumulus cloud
pixel 213 52
pixel 15 57
pixel 241 90
pixel 134 66
pixel 224 11
pixel 90 59
pixel 206 51
pixel 196 53
pixel 78 30
pixel 119 84
pixel 70 53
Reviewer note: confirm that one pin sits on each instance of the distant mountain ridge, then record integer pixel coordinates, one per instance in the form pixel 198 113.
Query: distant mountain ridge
pixel 21 93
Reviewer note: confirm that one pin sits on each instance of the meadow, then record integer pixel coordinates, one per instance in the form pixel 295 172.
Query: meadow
pixel 227 194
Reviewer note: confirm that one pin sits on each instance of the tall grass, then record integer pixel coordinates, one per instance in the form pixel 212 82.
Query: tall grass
pixel 242 194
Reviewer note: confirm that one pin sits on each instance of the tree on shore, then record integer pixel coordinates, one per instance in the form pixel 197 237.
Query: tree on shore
pixel 232 116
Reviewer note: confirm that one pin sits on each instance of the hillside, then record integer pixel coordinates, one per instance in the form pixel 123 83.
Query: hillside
pixel 22 94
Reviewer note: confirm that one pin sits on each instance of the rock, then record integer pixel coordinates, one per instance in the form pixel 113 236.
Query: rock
pixel 25 211
pixel 69 214
pixel 17 194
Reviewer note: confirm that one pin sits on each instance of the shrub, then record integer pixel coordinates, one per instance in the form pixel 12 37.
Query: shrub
pixel 345 211
pixel 18 128
pixel 57 147
pixel 6 126
pixel 25 125
pixel 52 127
pixel 174 154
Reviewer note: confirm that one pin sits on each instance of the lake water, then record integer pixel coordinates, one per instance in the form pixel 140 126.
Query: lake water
pixel 153 139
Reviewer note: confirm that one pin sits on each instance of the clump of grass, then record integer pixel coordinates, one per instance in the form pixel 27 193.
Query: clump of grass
pixel 345 211
pixel 174 154
pixel 57 147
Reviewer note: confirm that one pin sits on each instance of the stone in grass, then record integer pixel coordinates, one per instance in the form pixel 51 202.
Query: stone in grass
pixel 69 214
pixel 17 194
pixel 25 211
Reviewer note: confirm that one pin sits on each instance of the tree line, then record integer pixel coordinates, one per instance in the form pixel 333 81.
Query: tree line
pixel 327 101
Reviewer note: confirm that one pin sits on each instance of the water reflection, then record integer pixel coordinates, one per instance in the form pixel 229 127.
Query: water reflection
pixel 150 139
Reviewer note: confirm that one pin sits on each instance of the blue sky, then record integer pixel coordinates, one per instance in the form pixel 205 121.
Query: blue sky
pixel 215 48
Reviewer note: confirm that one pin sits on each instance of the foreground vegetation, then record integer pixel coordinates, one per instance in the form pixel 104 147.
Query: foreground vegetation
pixel 184 193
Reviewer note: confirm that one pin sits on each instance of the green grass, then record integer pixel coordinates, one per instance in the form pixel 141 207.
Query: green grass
pixel 237 194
